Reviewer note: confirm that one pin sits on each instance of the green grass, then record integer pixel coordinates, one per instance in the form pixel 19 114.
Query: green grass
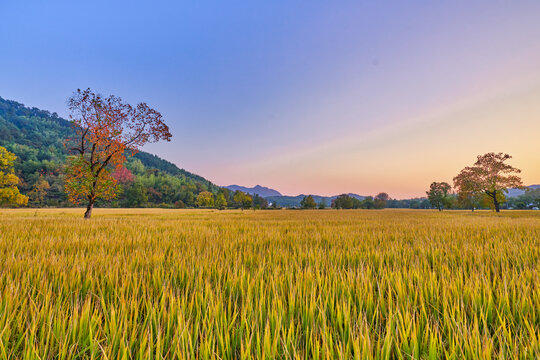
pixel 152 284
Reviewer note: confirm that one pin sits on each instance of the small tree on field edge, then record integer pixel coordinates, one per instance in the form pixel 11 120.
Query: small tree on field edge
pixel 308 202
pixel 221 202
pixel 438 194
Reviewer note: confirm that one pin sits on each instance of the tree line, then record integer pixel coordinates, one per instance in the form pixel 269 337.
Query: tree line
pixel 345 201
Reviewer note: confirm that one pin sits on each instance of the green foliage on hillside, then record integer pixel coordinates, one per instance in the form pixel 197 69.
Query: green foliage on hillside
pixel 37 138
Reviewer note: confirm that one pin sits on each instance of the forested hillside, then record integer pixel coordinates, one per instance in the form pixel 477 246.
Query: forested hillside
pixel 37 138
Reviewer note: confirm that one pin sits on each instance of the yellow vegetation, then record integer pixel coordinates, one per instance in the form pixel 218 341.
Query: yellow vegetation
pixel 269 284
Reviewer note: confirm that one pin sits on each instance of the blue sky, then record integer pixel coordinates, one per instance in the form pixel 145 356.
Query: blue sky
pixel 306 97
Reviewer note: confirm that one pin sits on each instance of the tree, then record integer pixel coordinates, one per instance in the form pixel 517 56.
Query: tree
pixel 123 176
pixel 380 200
pixel 259 202
pixel 438 194
pixel 9 193
pixel 248 201
pixel 223 198
pixel 343 201
pixel 308 202
pixel 238 198
pixel 136 195
pixel 489 175
pixel 322 204
pixel 39 190
pixel 221 202
pixel 205 199
pixel 106 130
pixel 189 199
pixel 467 192
pixel 242 200
pixel 367 203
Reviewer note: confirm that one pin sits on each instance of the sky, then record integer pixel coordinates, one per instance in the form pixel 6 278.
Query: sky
pixel 320 97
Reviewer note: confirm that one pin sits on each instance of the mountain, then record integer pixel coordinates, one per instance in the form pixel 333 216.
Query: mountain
pixel 294 201
pixel 519 192
pixel 259 190
pixel 37 138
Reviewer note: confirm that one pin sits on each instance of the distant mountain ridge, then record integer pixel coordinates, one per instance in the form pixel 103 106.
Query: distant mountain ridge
pixel 519 192
pixel 274 196
pixel 258 189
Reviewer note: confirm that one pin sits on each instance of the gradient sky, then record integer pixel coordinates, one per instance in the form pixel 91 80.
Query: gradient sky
pixel 319 97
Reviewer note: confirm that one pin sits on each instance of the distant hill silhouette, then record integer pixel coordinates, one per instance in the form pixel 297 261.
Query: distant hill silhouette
pixel 519 192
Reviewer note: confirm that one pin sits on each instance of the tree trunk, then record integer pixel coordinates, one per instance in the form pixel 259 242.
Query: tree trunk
pixel 89 208
pixel 497 205
pixel 496 202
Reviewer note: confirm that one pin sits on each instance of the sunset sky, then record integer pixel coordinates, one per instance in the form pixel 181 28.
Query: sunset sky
pixel 318 97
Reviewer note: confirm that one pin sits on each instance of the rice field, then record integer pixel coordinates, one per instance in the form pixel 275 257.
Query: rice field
pixel 196 284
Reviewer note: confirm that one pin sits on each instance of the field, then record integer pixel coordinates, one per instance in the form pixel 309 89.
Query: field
pixel 269 284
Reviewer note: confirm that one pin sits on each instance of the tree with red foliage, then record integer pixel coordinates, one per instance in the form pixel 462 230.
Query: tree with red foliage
pixel 123 176
pixel 106 130
pixel 489 175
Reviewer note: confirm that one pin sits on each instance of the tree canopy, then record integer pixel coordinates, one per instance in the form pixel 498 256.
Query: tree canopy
pixel 490 175
pixel 221 201
pixel 438 194
pixel 205 200
pixel 9 193
pixel 259 202
pixel 242 200
pixel 381 200
pixel 308 202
